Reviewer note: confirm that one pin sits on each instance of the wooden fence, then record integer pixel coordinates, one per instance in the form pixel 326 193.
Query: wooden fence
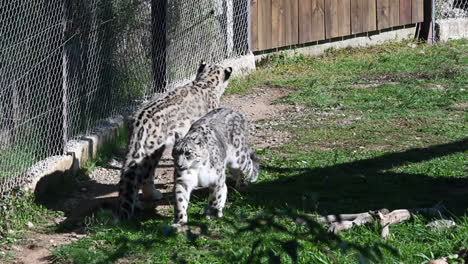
pixel 278 23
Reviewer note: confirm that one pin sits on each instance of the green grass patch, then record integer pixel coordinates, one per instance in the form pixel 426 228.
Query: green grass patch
pixel 108 151
pixel 381 127
pixel 17 208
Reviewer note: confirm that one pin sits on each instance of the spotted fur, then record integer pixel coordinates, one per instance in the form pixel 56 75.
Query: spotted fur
pixel 154 126
pixel 215 142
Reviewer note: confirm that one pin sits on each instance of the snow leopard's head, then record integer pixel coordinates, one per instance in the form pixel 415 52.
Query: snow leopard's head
pixel 214 76
pixel 188 152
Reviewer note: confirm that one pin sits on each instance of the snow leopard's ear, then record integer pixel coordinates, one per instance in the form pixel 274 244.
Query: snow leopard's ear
pixel 176 138
pixel 201 67
pixel 227 73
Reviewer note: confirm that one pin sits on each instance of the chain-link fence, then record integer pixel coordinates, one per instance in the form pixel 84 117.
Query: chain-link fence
pixel 65 64
pixel 446 9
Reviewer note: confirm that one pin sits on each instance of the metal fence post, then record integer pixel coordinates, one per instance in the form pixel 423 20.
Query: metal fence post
pixel 65 70
pixel 433 23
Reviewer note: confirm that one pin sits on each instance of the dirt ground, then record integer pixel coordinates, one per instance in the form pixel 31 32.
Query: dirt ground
pixel 99 191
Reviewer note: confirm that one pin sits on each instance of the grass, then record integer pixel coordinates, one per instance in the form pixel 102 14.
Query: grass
pixel 106 152
pixel 18 210
pixel 383 126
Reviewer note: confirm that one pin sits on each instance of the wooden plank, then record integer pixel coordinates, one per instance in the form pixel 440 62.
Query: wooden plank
pixel 305 21
pixel 405 12
pixel 291 21
pixel 264 24
pixel 417 11
pixel 295 22
pixel 394 15
pixel 331 19
pixel 383 14
pixel 344 17
pixel 318 20
pixel 253 25
pixel 356 16
pixel 277 23
pixel 369 15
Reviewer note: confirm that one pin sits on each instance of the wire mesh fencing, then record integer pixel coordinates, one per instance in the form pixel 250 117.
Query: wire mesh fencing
pixel 66 64
pixel 447 9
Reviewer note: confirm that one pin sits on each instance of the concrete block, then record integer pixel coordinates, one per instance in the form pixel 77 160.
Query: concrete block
pixel 45 173
pixel 242 65
pixel 453 28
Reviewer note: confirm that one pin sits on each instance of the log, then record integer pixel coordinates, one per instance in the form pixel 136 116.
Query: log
pixel 385 218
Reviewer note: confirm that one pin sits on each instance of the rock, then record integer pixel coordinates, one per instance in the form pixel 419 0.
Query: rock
pixel 441 224
pixel 16 248
pixel 29 224
pixel 438 261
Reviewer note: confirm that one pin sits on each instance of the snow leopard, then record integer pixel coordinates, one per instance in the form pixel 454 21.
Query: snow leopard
pixel 214 143
pixel 153 128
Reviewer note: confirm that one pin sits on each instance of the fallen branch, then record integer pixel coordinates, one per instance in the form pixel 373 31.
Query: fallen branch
pixel 385 218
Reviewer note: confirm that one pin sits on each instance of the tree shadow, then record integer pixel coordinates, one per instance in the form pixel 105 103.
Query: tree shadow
pixel 364 185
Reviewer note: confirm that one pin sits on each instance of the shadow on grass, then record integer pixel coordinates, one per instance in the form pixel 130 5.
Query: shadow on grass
pixel 363 185
pixel 351 187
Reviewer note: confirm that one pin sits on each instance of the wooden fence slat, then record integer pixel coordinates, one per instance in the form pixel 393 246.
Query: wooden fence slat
pixel 344 17
pixel 291 20
pixel 253 25
pixel 383 12
pixel 318 20
pixel 371 15
pixel 394 16
pixel 264 24
pixel 277 23
pixel 305 21
pixel 405 12
pixel 331 19
pixel 417 11
pixel 356 16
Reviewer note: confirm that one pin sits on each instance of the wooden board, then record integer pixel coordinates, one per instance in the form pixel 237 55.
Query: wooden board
pixel 277 23
pixel 370 8
pixel 405 12
pixel 305 21
pixel 253 25
pixel 356 16
pixel 292 22
pixel 344 17
pixel 264 24
pixel 369 15
pixel 284 23
pixel 337 18
pixel 318 20
pixel 394 15
pixel 331 19
pixel 383 14
pixel 417 11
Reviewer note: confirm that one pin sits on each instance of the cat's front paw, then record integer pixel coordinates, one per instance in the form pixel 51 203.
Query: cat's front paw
pixel 179 227
pixel 150 193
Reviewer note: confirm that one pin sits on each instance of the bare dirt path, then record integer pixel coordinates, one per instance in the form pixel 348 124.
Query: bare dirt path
pixel 99 191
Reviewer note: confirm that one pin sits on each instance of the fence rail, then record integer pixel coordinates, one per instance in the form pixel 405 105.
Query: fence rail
pixel 66 64
pixel 279 23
